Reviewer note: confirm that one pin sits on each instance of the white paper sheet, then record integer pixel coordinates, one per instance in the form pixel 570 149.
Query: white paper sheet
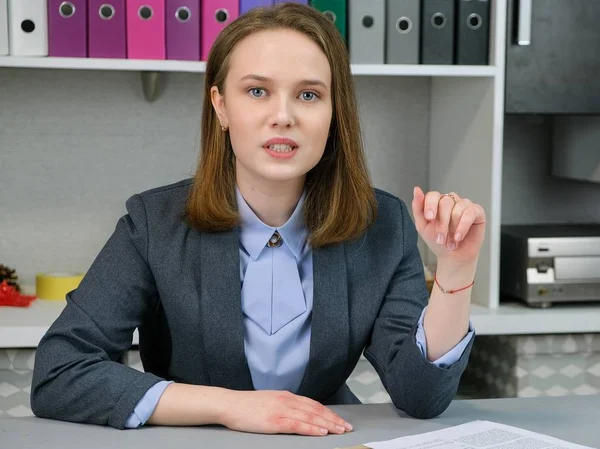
pixel 477 435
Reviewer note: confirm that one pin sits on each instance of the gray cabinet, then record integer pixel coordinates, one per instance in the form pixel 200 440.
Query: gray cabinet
pixel 553 57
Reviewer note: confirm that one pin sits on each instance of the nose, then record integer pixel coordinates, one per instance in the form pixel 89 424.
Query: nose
pixel 283 113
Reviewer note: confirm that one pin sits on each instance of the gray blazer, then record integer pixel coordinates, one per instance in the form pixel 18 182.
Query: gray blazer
pixel 181 289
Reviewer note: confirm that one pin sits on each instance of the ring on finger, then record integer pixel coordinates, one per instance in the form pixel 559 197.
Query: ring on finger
pixel 449 195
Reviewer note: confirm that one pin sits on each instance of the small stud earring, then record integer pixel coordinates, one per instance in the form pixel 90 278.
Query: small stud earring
pixel 224 128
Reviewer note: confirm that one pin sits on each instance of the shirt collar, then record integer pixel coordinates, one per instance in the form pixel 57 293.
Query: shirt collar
pixel 255 234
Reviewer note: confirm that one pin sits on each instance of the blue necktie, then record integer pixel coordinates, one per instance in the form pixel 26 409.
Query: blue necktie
pixel 272 294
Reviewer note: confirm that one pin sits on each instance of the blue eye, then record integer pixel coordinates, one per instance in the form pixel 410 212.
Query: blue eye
pixel 309 96
pixel 256 92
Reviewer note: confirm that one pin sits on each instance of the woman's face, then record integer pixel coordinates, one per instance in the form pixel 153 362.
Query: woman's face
pixel 277 105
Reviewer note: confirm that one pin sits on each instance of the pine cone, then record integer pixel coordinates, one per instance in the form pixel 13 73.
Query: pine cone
pixel 10 276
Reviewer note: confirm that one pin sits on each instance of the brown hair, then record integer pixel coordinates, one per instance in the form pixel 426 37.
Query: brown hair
pixel 340 202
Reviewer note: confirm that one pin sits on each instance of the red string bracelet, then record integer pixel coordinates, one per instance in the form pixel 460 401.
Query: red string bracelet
pixel 452 291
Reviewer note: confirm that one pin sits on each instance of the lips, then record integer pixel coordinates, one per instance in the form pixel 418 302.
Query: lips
pixel 280 141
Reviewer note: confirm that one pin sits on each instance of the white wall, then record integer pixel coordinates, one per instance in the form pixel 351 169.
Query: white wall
pixel 75 144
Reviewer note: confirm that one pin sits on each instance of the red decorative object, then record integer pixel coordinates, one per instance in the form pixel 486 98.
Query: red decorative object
pixel 452 291
pixel 9 296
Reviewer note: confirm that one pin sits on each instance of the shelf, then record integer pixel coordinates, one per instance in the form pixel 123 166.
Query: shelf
pixel 24 327
pixel 518 319
pixel 423 70
pixel 200 66
pixel 102 64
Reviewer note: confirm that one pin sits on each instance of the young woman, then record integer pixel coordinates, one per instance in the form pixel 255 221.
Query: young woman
pixel 257 284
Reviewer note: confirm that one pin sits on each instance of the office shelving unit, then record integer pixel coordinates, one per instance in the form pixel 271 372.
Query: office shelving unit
pixel 465 135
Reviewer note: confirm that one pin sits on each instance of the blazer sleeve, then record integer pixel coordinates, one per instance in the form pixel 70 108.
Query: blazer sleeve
pixel 76 375
pixel 416 386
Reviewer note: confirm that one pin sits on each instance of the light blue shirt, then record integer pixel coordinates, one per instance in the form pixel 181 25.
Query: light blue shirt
pixel 277 361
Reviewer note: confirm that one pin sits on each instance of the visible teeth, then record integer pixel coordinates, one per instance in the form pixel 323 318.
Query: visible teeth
pixel 280 148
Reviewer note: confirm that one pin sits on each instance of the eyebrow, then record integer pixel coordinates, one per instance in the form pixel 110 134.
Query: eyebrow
pixel 264 79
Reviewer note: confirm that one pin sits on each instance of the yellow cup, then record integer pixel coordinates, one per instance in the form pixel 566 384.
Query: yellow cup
pixel 56 285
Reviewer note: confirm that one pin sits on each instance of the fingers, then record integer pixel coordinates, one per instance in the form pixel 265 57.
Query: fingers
pixel 418 204
pixel 443 221
pixel 455 220
pixel 288 425
pixel 310 406
pixel 446 212
pixel 469 214
pixel 432 200
pixel 307 418
pixel 438 208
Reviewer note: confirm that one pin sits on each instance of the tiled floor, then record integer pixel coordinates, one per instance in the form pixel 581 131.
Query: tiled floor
pixel 366 385
pixel 15 381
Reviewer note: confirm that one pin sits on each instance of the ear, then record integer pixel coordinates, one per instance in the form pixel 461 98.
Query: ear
pixel 218 102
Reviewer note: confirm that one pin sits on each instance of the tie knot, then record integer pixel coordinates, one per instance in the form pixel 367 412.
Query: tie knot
pixel 275 240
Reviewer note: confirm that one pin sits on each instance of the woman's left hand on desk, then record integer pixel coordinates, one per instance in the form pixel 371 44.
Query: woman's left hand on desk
pixel 272 412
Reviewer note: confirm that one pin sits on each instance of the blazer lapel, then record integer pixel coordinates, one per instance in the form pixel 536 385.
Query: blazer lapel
pixel 219 286
pixel 330 334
